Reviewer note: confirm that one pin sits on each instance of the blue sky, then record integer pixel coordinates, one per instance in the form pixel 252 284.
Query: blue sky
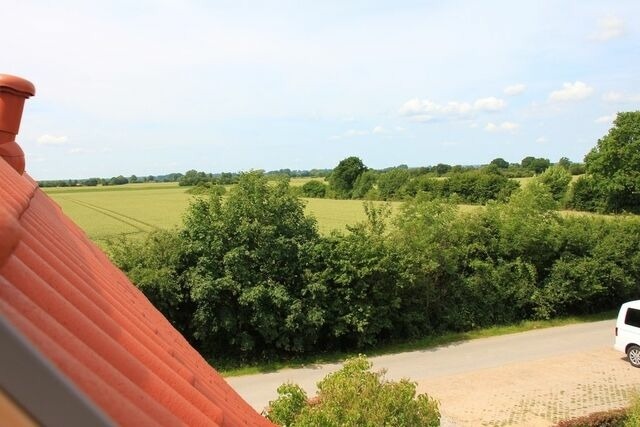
pixel 154 86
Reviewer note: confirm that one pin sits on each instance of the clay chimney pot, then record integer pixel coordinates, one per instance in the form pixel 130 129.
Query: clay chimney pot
pixel 13 92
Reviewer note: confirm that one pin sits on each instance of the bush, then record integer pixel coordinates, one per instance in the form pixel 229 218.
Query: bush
pixel 613 418
pixel 557 179
pixel 633 412
pixel 355 396
pixel 314 188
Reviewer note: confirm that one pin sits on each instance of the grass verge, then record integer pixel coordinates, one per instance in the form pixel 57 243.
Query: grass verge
pixel 229 370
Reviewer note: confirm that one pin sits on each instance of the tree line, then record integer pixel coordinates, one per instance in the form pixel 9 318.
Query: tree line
pixel 609 181
pixel 248 276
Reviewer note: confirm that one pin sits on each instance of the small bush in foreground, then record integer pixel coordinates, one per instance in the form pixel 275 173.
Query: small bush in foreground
pixel 355 396
pixel 612 418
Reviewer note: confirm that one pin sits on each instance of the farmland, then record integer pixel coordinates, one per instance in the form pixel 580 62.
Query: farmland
pixel 136 209
pixel 105 212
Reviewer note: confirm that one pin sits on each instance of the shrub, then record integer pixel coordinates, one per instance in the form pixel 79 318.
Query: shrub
pixel 633 412
pixel 355 396
pixel 314 188
pixel 613 418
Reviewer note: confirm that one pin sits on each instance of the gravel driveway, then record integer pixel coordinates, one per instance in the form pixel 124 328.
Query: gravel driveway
pixel 535 393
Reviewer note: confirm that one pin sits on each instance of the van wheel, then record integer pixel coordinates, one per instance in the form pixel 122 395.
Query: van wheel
pixel 633 353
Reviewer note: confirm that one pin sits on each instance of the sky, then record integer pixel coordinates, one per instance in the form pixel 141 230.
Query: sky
pixel 149 87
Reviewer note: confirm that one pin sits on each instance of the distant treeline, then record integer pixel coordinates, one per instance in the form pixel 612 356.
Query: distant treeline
pixel 189 178
pixel 528 167
pixel 115 180
pixel 351 179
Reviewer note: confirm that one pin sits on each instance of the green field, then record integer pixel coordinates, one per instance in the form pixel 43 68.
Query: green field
pixel 136 209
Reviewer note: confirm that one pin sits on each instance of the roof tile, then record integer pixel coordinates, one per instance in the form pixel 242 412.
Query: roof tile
pixel 63 294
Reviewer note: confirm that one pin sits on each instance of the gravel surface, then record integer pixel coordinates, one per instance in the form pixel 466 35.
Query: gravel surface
pixel 538 393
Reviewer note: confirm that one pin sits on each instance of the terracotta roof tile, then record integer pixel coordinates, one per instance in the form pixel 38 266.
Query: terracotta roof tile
pixel 64 295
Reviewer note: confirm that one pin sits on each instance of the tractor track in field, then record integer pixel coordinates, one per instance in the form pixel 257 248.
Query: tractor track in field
pixel 133 222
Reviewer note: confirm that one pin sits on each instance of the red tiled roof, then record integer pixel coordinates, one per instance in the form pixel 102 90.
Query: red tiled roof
pixel 63 294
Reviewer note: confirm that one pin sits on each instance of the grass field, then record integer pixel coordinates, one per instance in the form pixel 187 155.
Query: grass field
pixel 136 209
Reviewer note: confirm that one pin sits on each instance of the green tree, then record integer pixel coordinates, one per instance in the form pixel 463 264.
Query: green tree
pixel 355 397
pixel 390 183
pixel 360 274
pixel 537 165
pixel 565 163
pixel 156 264
pixel 442 168
pixel 500 162
pixel 557 179
pixel 248 254
pixel 364 184
pixel 314 188
pixel 614 164
pixel 344 176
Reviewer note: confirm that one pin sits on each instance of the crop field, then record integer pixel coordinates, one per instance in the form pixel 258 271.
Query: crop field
pixel 136 209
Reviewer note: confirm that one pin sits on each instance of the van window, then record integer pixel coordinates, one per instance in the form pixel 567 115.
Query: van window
pixel 633 317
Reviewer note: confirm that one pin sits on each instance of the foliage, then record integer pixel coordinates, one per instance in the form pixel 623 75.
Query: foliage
pixel 364 184
pixel 587 195
pixel 537 165
pixel 155 265
pixel 314 188
pixel 390 183
pixel 612 418
pixel 557 179
pixel 249 278
pixel 633 412
pixel 247 256
pixel 344 176
pixel 360 277
pixel 204 188
pixel 193 177
pixel 355 396
pixel 500 162
pixel 614 164
pixel 476 186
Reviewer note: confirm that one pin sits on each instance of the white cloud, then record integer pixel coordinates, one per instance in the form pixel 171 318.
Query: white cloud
pixel 378 130
pixel 47 139
pixel 609 28
pixel 571 92
pixel 620 98
pixel 489 104
pixel 423 110
pixel 605 119
pixel 502 127
pixel 541 140
pixel 513 90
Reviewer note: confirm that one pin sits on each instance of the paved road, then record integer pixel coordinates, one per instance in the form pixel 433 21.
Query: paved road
pixel 447 360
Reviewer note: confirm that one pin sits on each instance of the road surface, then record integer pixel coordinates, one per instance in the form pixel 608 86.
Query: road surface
pixel 452 360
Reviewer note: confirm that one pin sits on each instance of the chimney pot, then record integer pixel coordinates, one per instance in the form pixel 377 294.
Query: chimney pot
pixel 13 92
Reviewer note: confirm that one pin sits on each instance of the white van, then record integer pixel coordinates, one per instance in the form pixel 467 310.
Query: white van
pixel 628 331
